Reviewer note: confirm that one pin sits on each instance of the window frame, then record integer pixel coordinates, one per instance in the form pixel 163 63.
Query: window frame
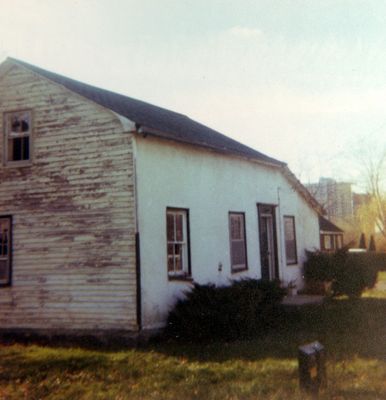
pixel 186 272
pixel 237 267
pixel 8 282
pixel 6 129
pixel 295 260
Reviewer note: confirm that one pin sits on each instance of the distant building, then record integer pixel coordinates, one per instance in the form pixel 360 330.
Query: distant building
pixel 335 197
pixel 360 199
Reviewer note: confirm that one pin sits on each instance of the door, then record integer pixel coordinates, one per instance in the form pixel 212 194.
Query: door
pixel 268 242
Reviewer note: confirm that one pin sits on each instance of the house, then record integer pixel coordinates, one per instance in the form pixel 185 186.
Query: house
pixel 331 236
pixel 111 207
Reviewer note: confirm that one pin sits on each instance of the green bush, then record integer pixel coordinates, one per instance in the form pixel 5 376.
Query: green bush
pixel 350 273
pixel 227 313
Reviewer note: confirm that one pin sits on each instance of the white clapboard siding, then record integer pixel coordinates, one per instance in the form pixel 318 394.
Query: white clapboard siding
pixel 73 213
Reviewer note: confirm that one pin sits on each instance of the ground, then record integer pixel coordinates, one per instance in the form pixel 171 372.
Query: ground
pixel 353 332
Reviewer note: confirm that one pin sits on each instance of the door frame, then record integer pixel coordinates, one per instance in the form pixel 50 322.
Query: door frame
pixel 272 214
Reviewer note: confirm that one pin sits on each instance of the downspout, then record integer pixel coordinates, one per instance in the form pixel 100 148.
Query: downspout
pixel 280 233
pixel 131 128
pixel 137 242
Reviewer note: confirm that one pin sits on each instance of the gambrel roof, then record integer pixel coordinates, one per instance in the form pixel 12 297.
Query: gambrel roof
pixel 163 123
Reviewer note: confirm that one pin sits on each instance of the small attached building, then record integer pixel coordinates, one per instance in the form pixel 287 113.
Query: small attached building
pixel 331 236
pixel 111 207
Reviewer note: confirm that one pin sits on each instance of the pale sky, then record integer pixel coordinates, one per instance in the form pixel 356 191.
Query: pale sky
pixel 302 81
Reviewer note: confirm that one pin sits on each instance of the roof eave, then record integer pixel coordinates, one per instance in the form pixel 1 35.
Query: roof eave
pixel 144 130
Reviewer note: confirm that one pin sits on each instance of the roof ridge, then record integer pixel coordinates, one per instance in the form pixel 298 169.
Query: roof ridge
pixel 46 72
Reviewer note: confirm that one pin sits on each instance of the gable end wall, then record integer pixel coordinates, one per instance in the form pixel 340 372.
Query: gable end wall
pixel 73 213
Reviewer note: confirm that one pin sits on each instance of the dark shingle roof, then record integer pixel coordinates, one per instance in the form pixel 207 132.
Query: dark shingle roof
pixel 327 226
pixel 155 120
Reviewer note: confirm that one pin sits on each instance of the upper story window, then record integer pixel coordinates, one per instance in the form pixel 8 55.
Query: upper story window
pixel 238 244
pixel 18 133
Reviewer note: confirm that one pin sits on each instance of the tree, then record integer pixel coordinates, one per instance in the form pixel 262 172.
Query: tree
pixel 372 244
pixel 362 241
pixel 374 166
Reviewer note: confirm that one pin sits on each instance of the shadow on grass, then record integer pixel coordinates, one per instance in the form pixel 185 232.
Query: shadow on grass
pixel 346 327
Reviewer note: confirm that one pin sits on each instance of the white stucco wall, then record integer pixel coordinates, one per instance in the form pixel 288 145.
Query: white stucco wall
pixel 209 185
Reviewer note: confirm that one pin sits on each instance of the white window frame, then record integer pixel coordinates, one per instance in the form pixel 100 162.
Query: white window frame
pixel 290 229
pixel 10 135
pixel 6 248
pixel 178 259
pixel 327 242
pixel 237 240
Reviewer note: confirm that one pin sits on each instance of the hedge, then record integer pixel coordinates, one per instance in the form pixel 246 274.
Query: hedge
pixel 350 273
pixel 239 310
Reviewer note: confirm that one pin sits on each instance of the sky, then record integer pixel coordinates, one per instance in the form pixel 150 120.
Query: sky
pixel 303 81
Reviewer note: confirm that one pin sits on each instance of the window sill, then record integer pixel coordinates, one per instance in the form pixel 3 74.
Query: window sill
pixel 295 264
pixel 237 270
pixel 181 278
pixel 17 164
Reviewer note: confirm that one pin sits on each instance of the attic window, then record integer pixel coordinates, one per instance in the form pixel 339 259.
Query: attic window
pixel 18 131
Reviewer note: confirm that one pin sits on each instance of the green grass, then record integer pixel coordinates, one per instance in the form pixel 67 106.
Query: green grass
pixel 353 332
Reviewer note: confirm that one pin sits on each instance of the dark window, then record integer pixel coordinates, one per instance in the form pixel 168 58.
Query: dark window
pixel 17 136
pixel 5 250
pixel 238 244
pixel 177 242
pixel 290 240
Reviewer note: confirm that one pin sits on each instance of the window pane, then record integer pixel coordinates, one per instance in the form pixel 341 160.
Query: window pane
pixel 5 243
pixel 179 228
pixel 3 270
pixel 238 253
pixel 237 228
pixel 178 257
pixel 19 123
pixel 170 263
pixel 170 227
pixel 25 150
pixel 290 251
pixel 327 242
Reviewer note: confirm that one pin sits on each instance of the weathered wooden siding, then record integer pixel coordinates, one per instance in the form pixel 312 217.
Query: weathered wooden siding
pixel 73 213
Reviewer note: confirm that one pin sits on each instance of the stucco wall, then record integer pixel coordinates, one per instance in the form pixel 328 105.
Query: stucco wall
pixel 209 185
pixel 73 213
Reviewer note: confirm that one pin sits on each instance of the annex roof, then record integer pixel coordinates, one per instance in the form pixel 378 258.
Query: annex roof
pixel 327 226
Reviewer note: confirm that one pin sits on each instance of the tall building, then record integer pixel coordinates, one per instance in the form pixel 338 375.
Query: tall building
pixel 335 197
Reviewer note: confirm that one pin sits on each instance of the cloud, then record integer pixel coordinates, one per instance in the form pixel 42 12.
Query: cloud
pixel 245 32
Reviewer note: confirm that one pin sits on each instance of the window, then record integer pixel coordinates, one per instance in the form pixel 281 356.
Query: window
pixel 290 240
pixel 237 241
pixel 177 228
pixel 5 250
pixel 339 242
pixel 18 131
pixel 327 242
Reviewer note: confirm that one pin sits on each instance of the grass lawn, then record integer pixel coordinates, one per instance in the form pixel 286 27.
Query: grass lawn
pixel 353 332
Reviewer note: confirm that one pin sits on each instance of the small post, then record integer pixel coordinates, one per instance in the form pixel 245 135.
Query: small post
pixel 312 367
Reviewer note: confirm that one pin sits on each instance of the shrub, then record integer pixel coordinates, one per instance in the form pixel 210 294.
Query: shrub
pixel 350 273
pixel 228 312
